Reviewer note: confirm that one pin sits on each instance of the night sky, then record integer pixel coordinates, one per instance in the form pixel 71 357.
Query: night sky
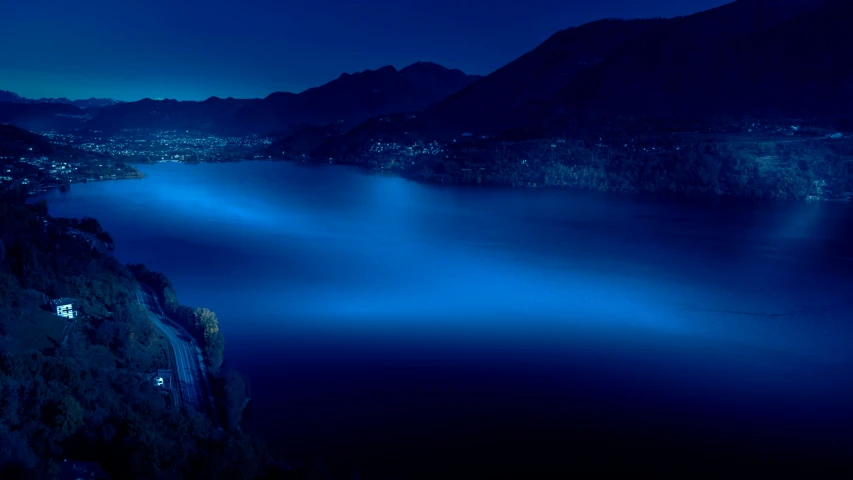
pixel 193 49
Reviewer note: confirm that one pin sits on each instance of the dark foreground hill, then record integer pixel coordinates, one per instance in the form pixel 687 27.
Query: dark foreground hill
pixel 77 389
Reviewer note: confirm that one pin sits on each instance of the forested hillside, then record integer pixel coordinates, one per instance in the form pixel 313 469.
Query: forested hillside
pixel 76 389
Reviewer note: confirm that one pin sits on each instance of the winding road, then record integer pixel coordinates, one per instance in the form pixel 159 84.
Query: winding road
pixel 189 365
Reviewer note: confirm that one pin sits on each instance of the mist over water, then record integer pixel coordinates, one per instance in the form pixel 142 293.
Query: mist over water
pixel 400 327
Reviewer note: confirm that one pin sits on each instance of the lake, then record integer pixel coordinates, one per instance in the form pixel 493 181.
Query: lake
pixel 391 329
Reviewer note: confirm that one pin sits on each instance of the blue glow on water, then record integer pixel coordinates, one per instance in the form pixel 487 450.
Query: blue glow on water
pixel 378 317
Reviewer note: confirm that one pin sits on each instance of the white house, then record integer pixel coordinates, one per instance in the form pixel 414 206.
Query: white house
pixel 66 311
pixel 65 308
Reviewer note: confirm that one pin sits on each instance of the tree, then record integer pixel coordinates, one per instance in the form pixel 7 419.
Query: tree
pixel 236 397
pixel 145 332
pixel 206 322
pixel 105 333
pixel 123 339
pixel 16 456
pixel 40 207
pixel 88 224
pixel 9 402
pixel 69 417
pixel 207 326
pixel 106 238
pixel 116 335
pixel 214 351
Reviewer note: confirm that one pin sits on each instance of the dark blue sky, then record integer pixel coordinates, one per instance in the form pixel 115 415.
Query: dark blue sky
pixel 192 49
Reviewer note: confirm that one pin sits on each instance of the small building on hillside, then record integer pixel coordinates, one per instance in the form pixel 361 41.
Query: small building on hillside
pixel 162 378
pixel 64 307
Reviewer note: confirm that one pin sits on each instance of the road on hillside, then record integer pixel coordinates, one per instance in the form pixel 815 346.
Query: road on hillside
pixel 189 367
pixel 94 242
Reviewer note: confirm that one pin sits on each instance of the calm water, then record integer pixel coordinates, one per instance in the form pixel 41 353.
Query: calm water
pixel 389 327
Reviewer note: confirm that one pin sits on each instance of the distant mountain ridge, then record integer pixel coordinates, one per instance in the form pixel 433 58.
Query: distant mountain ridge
pixel 756 58
pixel 708 103
pixel 348 100
pixel 764 59
pixel 750 99
pixel 11 97
pixel 84 103
pixel 38 116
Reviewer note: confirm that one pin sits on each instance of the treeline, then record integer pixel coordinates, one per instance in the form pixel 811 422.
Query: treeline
pixel 779 158
pixel 733 165
pixel 85 397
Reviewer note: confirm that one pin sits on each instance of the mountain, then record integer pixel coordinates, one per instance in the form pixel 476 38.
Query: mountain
pixel 537 75
pixel 348 100
pixel 83 103
pixel 749 99
pixel 435 80
pixel 210 114
pixel 305 140
pixel 41 116
pixel 16 141
pixel 760 58
pixel 11 97
pixel 48 113
pixel 351 99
